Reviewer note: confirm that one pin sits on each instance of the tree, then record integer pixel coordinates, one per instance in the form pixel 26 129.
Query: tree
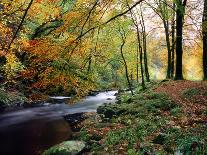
pixel 163 12
pixel 144 41
pixel 123 38
pixel 173 42
pixel 139 53
pixel 180 12
pixel 204 32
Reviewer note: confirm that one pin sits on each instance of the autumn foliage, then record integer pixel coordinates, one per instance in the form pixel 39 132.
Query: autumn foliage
pixel 56 46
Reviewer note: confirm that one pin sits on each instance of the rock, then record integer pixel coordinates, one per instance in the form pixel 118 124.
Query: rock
pixel 93 93
pixel 109 111
pixel 109 99
pixel 58 99
pixel 67 147
pixel 74 119
pixel 116 94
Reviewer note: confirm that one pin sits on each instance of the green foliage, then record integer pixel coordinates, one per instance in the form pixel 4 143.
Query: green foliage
pixel 177 111
pixel 148 85
pixel 192 144
pixel 125 98
pixel 151 123
pixel 84 135
pixel 192 141
pixel 108 111
pixel 190 92
pixel 116 137
pixel 9 98
pixel 131 152
pixel 139 105
pixel 146 127
pixel 96 147
pixel 142 116
pixel 4 98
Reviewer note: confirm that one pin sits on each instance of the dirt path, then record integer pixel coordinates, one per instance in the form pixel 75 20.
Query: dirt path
pixel 194 106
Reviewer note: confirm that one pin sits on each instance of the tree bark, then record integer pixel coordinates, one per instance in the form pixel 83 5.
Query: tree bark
pixel 89 64
pixel 125 65
pixel 145 49
pixel 144 42
pixel 141 61
pixel 165 18
pixel 137 64
pixel 123 37
pixel 204 32
pixel 167 35
pixel 173 43
pixel 179 38
pixel 139 51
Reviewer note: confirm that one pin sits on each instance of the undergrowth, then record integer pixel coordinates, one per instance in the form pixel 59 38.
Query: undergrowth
pixel 150 124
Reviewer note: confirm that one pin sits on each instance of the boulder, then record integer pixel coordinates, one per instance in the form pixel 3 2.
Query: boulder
pixel 66 148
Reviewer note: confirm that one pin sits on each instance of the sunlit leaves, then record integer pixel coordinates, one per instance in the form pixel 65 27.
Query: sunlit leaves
pixel 12 66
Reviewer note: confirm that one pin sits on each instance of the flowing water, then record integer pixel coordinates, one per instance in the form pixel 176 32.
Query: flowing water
pixel 31 129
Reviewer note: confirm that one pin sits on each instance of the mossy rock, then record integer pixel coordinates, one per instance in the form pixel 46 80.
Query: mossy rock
pixel 66 148
pixel 109 111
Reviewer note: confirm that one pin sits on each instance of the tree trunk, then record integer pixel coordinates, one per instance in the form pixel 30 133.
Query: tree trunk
pixel 137 64
pixel 173 43
pixel 126 68
pixel 141 65
pixel 179 38
pixel 145 49
pixel 167 36
pixel 139 51
pixel 89 64
pixel 140 57
pixel 204 32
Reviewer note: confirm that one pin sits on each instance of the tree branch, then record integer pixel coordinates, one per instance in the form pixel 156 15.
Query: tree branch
pixel 108 21
pixel 20 25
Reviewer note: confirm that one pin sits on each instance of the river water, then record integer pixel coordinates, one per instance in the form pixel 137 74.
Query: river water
pixel 30 130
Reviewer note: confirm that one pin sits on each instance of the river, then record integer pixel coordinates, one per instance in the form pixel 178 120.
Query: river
pixel 31 130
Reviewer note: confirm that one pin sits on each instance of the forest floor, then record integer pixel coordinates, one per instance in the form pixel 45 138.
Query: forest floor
pixel 168 118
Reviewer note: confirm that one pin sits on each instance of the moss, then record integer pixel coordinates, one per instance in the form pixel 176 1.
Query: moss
pixel 66 148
